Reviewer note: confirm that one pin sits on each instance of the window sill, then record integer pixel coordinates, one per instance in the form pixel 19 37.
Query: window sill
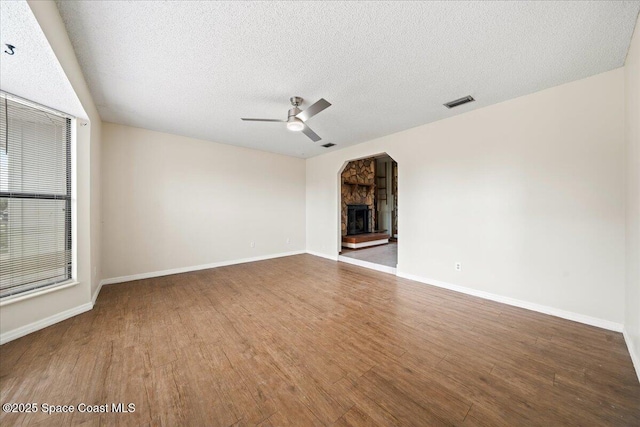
pixel 36 293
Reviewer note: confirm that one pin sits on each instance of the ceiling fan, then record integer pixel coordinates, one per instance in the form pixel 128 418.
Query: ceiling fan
pixel 297 118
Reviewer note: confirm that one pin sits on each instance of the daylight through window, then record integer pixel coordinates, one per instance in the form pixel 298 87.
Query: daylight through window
pixel 35 198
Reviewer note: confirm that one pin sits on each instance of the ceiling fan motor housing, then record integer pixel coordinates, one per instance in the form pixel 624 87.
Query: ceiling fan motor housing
pixel 293 112
pixel 295 101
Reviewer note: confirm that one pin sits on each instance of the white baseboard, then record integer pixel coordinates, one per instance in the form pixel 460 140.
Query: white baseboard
pixel 41 324
pixel 635 358
pixel 94 297
pixel 366 264
pixel 321 255
pixel 569 315
pixel 195 268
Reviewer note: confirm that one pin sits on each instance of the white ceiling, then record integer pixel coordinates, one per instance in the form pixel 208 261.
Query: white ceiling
pixel 195 68
pixel 33 71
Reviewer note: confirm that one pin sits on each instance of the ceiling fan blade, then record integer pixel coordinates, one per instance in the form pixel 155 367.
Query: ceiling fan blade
pixel 311 134
pixel 263 120
pixel 313 110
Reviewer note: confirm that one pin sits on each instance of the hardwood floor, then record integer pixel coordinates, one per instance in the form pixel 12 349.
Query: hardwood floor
pixel 305 341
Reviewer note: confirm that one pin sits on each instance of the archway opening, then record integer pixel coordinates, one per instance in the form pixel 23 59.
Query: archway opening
pixel 369 212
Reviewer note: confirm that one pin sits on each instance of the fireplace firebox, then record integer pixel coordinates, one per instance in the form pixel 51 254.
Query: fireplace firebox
pixel 358 219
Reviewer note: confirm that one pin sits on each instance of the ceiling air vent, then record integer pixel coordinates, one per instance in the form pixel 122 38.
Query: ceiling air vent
pixel 458 102
pixel 328 144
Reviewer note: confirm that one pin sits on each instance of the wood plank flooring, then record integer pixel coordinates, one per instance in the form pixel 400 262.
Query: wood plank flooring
pixel 304 341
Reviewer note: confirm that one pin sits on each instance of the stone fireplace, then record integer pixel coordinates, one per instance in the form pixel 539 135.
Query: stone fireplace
pixel 358 189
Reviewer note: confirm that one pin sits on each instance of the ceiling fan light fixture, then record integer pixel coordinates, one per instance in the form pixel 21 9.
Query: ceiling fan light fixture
pixel 296 119
pixel 294 124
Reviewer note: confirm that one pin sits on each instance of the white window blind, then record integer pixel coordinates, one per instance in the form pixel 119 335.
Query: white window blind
pixel 35 198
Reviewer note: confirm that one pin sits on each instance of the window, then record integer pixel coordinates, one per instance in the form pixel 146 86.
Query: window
pixel 35 198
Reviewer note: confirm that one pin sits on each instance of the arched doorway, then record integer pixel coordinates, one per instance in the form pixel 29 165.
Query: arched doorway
pixel 369 212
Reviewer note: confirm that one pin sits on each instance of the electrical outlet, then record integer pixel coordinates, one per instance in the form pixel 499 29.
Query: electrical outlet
pixel 288 241
pixel 458 266
pixel 252 244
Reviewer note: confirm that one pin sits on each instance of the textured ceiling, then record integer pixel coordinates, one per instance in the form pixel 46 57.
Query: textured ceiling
pixel 195 68
pixel 33 71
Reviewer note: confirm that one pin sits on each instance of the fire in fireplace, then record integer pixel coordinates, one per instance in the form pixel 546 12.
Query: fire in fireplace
pixel 358 219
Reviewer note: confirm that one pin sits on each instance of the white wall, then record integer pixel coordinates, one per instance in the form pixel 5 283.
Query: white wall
pixel 89 174
pixel 172 202
pixel 39 310
pixel 527 194
pixel 632 137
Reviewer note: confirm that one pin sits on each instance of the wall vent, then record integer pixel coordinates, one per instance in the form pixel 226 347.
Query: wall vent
pixel 328 144
pixel 458 102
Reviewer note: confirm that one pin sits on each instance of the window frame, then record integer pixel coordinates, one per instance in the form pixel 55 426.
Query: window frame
pixel 70 241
